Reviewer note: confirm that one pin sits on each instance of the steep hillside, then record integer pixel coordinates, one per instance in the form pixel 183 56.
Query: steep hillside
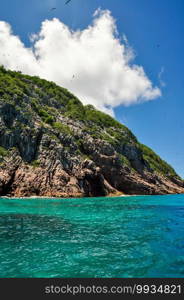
pixel 52 145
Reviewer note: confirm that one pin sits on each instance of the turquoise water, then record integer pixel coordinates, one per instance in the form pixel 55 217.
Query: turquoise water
pixel 140 236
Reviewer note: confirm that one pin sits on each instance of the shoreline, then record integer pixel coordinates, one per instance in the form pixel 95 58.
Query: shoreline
pixel 46 197
pixel 60 198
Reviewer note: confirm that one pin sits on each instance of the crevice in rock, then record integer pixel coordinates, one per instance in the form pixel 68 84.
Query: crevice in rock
pixel 94 186
pixel 7 188
pixel 38 141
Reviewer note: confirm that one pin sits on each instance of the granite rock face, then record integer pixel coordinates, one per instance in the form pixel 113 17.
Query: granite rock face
pixel 51 145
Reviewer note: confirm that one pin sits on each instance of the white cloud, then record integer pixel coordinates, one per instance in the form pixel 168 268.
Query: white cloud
pixel 102 64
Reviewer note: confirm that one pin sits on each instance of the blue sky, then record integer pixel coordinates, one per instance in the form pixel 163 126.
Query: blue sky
pixel 155 31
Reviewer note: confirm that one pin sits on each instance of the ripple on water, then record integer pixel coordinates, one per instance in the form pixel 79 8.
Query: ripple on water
pixel 132 237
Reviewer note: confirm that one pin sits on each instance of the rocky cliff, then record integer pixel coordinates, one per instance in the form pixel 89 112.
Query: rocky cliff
pixel 52 145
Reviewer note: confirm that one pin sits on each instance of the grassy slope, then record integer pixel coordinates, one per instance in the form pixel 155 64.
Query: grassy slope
pixel 47 100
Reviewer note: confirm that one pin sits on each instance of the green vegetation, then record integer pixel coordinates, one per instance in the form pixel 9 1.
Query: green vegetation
pixel 43 113
pixel 75 109
pixel 125 161
pixel 100 118
pixel 94 132
pixel 13 149
pixel 34 100
pixel 156 163
pixel 10 87
pixel 49 98
pixel 3 152
pixel 115 137
pixel 46 118
pixel 46 97
pixel 79 143
pixel 62 128
pixel 35 163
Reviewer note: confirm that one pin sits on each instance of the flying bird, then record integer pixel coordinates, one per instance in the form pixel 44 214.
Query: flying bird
pixel 67 1
pixel 53 8
pixel 73 77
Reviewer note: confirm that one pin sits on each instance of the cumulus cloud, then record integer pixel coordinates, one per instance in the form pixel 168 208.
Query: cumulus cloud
pixel 93 63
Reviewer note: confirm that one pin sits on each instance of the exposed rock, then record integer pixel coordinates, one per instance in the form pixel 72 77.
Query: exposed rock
pixel 53 146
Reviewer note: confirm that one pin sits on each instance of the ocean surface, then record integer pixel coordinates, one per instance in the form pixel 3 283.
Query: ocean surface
pixel 139 236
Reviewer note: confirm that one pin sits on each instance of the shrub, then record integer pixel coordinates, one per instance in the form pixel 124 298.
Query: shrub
pixel 35 163
pixel 156 163
pixel 124 160
pixel 3 151
pixel 100 118
pixel 62 128
pixel 75 109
